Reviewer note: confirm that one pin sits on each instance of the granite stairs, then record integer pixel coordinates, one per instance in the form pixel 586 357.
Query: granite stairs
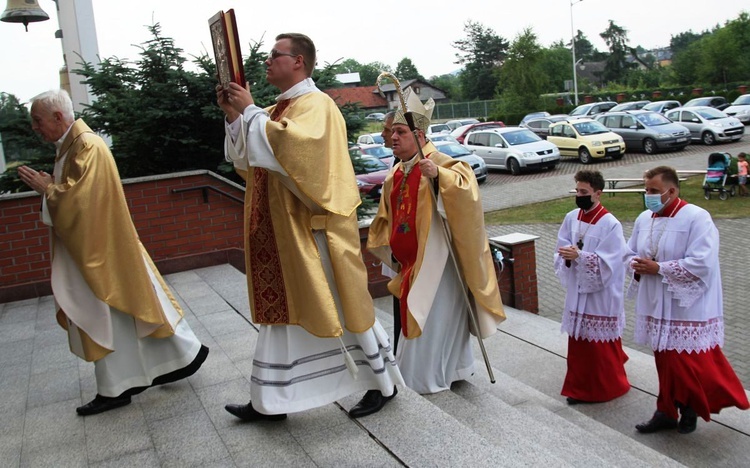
pixel 521 420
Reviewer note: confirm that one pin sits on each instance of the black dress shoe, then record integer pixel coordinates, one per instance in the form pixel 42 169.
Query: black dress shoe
pixel 659 421
pixel 248 413
pixel 101 404
pixel 688 421
pixel 372 402
pixel 575 401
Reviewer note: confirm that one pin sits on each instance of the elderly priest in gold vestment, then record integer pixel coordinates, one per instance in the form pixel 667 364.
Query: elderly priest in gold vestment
pixel 117 309
pixel 319 340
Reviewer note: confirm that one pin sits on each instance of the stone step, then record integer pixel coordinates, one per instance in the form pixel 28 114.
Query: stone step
pixel 552 422
pixel 507 427
pixel 419 433
pixel 530 351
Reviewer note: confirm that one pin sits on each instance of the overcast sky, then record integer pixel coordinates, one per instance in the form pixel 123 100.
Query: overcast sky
pixel 383 30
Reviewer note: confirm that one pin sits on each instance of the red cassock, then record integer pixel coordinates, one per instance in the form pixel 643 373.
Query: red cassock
pixel 596 371
pixel 703 381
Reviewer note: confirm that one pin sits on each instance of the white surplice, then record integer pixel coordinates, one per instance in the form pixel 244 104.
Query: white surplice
pixel 594 282
pixel 294 370
pixel 680 308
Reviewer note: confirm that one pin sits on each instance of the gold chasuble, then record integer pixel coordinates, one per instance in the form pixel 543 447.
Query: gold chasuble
pixel 90 216
pixel 459 193
pixel 287 280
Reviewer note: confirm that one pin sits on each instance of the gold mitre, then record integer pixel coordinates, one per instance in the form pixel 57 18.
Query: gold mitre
pixel 421 112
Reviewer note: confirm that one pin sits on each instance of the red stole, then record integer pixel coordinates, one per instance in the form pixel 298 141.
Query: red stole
pixel 269 294
pixel 404 230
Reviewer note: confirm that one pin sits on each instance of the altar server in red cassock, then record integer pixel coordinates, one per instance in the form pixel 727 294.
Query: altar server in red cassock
pixel 590 264
pixel 676 281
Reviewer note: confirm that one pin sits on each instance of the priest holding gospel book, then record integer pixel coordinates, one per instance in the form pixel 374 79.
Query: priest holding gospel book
pixel 319 340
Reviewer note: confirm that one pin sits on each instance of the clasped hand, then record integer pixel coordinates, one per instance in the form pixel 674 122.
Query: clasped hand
pixel 568 253
pixel 644 266
pixel 38 181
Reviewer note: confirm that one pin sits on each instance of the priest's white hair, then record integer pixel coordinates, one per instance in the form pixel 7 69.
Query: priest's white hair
pixel 56 100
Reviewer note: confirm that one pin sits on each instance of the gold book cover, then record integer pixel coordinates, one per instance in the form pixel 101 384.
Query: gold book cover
pixel 226 43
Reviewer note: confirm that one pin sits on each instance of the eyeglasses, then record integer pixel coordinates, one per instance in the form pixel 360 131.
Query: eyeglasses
pixel 276 54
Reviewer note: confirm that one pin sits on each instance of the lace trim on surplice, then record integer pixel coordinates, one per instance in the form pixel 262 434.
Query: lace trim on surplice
pixel 684 286
pixel 682 335
pixel 592 327
pixel 588 272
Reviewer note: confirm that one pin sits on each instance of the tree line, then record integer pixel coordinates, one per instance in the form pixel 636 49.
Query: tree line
pixel 162 117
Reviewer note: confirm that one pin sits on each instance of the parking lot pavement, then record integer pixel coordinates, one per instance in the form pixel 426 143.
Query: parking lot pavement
pixel 503 190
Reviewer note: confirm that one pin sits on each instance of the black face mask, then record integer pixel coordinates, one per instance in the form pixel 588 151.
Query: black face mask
pixel 584 202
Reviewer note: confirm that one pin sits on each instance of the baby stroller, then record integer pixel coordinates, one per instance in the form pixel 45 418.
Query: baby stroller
pixel 717 176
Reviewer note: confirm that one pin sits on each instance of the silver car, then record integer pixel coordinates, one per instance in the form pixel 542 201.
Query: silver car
pixel 458 151
pixel 662 107
pixel 740 109
pixel 708 124
pixel 512 148
pixel 646 130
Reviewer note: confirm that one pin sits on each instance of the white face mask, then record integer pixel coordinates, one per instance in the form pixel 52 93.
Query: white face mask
pixel 653 201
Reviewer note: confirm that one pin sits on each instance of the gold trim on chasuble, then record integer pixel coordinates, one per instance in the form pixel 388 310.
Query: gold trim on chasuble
pixel 269 294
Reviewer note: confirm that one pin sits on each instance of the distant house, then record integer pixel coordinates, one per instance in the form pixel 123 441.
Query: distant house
pixel 423 89
pixel 662 56
pixel 349 80
pixel 591 71
pixel 366 97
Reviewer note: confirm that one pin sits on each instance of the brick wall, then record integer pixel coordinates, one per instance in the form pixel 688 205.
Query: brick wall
pixel 192 229
pixel 181 231
pixel 377 283
pixel 518 281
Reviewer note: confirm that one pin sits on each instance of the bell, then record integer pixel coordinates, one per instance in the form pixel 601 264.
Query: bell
pixel 23 11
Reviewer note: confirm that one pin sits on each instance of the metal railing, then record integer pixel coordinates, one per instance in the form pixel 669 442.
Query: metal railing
pixel 204 190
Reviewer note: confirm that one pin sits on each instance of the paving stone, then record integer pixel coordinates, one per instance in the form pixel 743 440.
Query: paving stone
pixel 114 435
pixel 187 439
pixel 54 386
pixel 168 401
pixel 145 459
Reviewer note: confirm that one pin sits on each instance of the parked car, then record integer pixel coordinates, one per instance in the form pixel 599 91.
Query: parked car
pixel 540 125
pixel 533 115
pixel 377 116
pixel 717 102
pixel 370 139
pixel 454 124
pixel 586 139
pixel 438 128
pixel 435 137
pixel 591 109
pixel 460 133
pixel 458 151
pixel 378 151
pixel 662 107
pixel 370 178
pixel 708 124
pixel 630 105
pixel 512 148
pixel 740 109
pixel 646 130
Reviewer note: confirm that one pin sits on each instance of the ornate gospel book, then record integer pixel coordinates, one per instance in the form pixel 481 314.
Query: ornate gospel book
pixel 226 43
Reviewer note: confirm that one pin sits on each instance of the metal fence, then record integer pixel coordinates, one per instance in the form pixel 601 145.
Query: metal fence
pixel 462 110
